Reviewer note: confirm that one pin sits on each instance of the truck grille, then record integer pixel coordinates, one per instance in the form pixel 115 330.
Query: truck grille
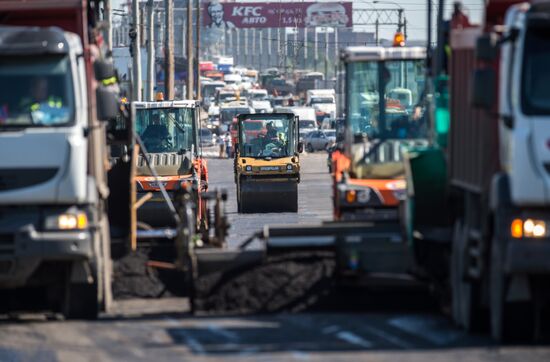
pixel 392 150
pixel 160 159
pixel 15 178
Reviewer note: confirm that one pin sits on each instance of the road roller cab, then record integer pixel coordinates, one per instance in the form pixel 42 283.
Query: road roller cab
pixel 267 165
pixel 168 130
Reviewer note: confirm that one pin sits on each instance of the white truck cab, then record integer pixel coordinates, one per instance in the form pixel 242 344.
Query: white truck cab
pixel 524 108
pixel 54 228
pixel 323 101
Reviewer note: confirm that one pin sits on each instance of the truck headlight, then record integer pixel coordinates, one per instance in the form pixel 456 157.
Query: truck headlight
pixel 528 228
pixel 248 168
pixel 400 194
pixel 289 167
pixel 363 196
pixel 67 221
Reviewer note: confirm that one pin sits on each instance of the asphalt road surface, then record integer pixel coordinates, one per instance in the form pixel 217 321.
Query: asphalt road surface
pixel 397 326
pixel 314 197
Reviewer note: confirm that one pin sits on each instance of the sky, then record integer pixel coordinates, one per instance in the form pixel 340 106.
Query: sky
pixel 414 10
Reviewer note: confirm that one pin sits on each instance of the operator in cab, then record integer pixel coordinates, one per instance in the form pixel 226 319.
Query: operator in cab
pixel 156 136
pixel 44 107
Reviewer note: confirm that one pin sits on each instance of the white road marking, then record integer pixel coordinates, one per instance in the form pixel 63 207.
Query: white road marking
pixel 330 329
pixel 354 339
pixel 217 330
pixel 248 351
pixel 388 337
pixel 190 341
pixel 299 355
pixel 431 329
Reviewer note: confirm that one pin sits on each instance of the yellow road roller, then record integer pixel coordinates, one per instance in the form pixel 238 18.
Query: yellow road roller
pixel 267 162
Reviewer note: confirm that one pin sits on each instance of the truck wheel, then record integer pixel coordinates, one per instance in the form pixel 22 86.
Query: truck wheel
pixel 239 208
pixel 464 306
pixel 294 207
pixel 509 321
pixel 497 292
pixel 309 148
pixel 106 297
pixel 81 301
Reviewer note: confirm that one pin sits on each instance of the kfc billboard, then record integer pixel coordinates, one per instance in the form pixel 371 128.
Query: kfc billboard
pixel 230 15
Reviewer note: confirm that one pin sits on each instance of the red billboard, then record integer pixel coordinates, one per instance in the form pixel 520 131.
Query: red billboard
pixel 230 15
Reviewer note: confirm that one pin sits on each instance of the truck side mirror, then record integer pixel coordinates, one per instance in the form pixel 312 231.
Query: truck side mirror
pixel 104 70
pixel 483 94
pixel 107 104
pixel 486 47
pixel 300 147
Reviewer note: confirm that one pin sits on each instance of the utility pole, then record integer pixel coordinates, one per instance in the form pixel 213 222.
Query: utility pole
pixel 150 50
pixel 260 35
pixel 137 51
pixel 316 51
pixel 286 51
pixel 279 49
pixel 197 48
pixel 326 54
pixel 169 49
pixel 306 45
pixel 237 50
pixel 108 16
pixel 245 46
pixel 189 85
pixel 336 48
pixel 376 36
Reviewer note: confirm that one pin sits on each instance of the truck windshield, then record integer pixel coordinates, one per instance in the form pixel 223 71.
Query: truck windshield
pixel 36 92
pixel 384 99
pixel 271 136
pixel 535 78
pixel 165 129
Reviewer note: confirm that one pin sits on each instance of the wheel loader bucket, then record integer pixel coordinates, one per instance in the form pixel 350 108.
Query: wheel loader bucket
pixel 260 195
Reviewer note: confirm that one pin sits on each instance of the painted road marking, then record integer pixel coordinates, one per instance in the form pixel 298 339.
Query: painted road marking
pixel 388 337
pixel 191 342
pixel 434 330
pixel 354 339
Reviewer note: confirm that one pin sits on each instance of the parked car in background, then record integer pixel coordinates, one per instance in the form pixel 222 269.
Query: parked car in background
pixel 207 138
pixel 319 140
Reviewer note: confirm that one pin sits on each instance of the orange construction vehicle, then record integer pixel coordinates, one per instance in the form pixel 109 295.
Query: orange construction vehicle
pixel 169 133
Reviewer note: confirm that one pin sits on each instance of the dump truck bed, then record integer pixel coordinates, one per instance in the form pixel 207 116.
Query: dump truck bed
pixel 473 137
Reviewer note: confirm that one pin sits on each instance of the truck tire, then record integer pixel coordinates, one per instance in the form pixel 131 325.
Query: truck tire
pixel 309 148
pixel 86 300
pixel 497 291
pixel 106 271
pixel 465 309
pixel 81 301
pixel 508 321
pixel 239 208
pixel 294 207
